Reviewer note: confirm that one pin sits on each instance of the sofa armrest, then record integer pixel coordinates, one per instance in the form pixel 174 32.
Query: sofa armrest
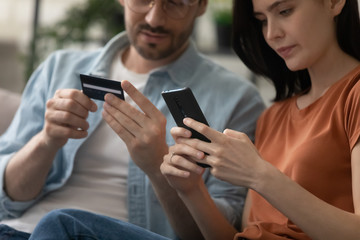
pixel 9 103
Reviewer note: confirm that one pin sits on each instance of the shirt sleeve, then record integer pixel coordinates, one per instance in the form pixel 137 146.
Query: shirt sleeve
pixel 28 121
pixel 352 116
pixel 228 198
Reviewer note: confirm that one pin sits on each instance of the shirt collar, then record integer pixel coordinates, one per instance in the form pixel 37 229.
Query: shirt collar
pixel 180 71
pixel 102 65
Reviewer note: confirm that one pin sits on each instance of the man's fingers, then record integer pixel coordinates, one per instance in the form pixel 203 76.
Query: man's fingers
pixel 78 96
pixel 67 119
pixel 143 102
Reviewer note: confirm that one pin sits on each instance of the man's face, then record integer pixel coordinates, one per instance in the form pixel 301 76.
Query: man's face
pixel 155 35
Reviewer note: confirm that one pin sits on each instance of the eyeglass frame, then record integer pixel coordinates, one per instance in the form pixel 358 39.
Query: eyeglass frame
pixel 164 2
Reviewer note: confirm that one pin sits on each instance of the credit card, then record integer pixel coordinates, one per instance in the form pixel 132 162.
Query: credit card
pixel 96 87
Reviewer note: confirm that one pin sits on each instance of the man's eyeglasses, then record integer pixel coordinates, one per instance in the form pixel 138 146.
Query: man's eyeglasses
pixel 176 9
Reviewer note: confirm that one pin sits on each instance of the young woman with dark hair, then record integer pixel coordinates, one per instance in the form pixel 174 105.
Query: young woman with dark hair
pixel 304 170
pixel 251 47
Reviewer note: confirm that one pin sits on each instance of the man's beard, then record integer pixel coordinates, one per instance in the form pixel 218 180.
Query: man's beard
pixel 152 52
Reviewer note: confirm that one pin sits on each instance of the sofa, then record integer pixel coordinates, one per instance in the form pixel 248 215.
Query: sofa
pixel 9 102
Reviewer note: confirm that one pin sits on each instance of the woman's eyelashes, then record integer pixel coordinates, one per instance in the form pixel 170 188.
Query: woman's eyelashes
pixel 286 12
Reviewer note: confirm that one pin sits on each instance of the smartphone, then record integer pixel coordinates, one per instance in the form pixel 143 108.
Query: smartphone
pixel 182 103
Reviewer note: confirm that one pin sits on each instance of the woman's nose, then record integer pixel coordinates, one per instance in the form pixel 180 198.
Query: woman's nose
pixel 273 30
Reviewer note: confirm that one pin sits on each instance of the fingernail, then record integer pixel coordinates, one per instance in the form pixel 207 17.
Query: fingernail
pixel 109 97
pixel 199 170
pixel 124 84
pixel 106 105
pixel 93 107
pixel 187 133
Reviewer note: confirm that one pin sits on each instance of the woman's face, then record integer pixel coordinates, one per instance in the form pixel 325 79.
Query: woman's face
pixel 300 31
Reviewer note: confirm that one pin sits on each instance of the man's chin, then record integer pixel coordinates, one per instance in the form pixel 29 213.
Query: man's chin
pixel 151 52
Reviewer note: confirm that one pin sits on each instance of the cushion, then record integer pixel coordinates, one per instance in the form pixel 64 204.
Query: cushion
pixel 9 102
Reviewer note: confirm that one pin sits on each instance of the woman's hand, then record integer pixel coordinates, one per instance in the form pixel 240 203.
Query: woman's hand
pixel 179 166
pixel 183 174
pixel 232 155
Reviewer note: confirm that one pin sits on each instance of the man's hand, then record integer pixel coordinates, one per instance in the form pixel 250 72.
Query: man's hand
pixel 144 132
pixel 65 117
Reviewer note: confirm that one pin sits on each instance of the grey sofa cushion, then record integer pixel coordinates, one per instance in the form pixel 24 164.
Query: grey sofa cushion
pixel 9 102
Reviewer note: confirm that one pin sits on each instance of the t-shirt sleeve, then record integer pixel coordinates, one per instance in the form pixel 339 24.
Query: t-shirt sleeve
pixel 352 113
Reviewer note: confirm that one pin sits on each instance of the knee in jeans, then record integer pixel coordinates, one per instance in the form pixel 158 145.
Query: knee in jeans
pixel 56 216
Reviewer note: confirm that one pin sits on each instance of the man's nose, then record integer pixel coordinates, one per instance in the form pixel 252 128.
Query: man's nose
pixel 156 15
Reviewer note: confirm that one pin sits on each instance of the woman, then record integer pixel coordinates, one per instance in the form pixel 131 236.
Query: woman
pixel 304 170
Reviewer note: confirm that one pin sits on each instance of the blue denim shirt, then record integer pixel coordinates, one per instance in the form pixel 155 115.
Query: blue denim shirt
pixel 226 100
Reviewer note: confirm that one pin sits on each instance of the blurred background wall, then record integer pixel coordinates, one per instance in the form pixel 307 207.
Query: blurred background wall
pixel 89 24
pixel 16 32
pixel 17 20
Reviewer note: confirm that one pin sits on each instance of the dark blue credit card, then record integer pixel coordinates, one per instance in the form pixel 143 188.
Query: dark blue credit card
pixel 96 87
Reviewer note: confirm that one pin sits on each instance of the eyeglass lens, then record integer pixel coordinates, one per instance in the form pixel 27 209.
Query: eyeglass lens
pixel 176 9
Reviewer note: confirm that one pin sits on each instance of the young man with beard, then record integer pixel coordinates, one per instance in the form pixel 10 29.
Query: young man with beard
pixel 64 150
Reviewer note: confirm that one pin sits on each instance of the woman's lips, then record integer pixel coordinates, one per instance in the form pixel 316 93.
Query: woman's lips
pixel 285 52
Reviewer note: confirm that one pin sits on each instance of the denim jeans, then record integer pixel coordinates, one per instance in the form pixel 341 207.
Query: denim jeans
pixel 8 233
pixel 82 225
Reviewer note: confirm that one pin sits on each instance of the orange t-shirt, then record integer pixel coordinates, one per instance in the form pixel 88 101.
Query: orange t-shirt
pixel 313 147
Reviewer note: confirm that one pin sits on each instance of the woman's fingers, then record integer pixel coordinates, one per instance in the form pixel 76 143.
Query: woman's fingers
pixel 202 128
pixel 183 157
pixel 178 132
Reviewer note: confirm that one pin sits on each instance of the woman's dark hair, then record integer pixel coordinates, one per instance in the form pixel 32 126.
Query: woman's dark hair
pixel 249 44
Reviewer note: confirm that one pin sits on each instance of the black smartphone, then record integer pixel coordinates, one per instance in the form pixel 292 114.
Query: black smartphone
pixel 182 103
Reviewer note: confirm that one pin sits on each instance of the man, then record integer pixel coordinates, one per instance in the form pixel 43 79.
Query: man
pixel 64 150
